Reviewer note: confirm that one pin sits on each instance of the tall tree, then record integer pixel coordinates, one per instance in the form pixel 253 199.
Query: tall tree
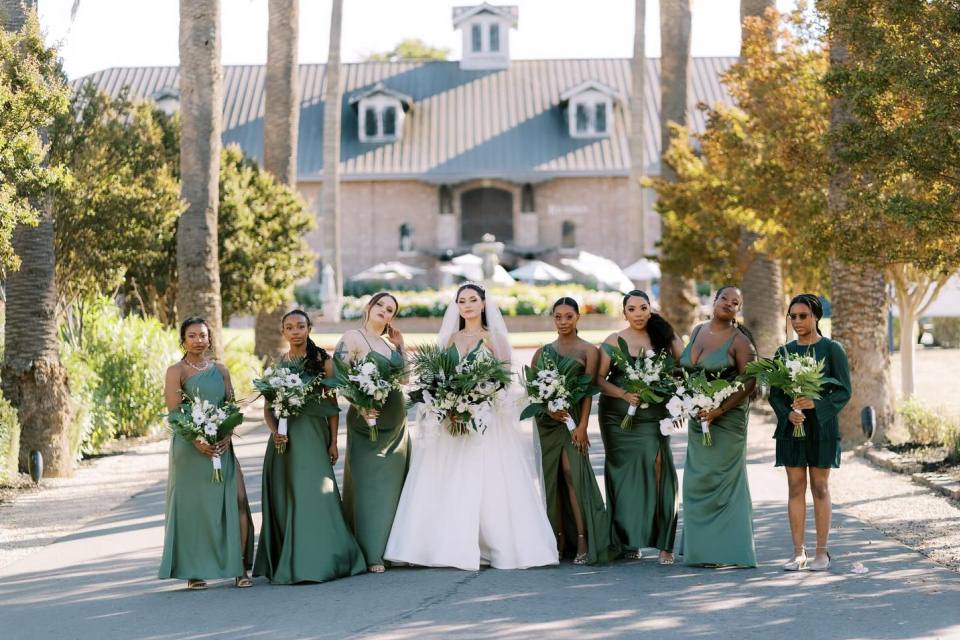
pixel 201 108
pixel 410 49
pixel 762 282
pixel 678 294
pixel 330 195
pixel 33 92
pixel 638 72
pixel 281 120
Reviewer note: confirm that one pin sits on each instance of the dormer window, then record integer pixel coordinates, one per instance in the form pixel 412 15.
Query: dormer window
pixel 380 113
pixel 486 29
pixel 589 109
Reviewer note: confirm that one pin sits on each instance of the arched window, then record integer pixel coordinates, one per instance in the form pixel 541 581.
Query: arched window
pixel 527 204
pixel 568 235
pixel 446 199
pixel 406 237
pixel 390 122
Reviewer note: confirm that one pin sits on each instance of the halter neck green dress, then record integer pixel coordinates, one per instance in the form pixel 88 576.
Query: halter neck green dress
pixel 644 507
pixel 373 474
pixel 717 511
pixel 201 538
pixel 304 537
pixel 555 438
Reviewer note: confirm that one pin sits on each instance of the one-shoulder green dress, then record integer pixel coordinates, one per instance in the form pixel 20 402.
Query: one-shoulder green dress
pixel 555 438
pixel 201 538
pixel 717 510
pixel 373 475
pixel 304 537
pixel 644 506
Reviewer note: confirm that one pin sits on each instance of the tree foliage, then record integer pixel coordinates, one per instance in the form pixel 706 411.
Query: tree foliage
pixel 759 166
pixel 410 49
pixel 33 92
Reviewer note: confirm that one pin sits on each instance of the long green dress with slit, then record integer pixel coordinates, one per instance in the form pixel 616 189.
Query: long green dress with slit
pixel 643 505
pixel 820 446
pixel 201 538
pixel 304 537
pixel 717 510
pixel 373 475
pixel 555 438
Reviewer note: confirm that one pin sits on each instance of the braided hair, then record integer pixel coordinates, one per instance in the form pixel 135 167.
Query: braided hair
pixel 660 331
pixel 812 301
pixel 316 356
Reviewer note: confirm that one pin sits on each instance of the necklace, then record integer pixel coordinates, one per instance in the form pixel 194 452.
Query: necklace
pixel 206 365
pixel 469 334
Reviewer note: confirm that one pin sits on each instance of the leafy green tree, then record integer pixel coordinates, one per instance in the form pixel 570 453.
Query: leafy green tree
pixel 410 49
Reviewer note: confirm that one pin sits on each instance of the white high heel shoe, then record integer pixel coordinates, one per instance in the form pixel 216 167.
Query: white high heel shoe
pixel 799 562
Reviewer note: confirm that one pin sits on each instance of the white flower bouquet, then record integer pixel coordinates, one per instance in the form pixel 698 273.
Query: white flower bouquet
pixel 367 382
pixel 288 390
pixel 695 395
pixel 555 385
pixel 798 375
pixel 199 418
pixel 646 375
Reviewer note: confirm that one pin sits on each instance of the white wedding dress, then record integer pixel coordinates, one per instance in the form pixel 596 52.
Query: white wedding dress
pixel 477 498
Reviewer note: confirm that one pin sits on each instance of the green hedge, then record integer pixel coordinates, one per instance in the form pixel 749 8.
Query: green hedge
pixel 928 427
pixel 9 441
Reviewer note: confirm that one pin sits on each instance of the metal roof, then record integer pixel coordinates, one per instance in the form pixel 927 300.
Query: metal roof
pixel 505 123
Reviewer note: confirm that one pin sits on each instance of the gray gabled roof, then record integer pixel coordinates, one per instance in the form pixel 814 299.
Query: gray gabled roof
pixel 463 124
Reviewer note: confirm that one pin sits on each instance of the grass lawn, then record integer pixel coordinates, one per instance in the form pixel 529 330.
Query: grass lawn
pixel 242 339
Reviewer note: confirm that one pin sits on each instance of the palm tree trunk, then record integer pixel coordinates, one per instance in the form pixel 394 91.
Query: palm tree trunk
pixel 281 119
pixel 330 222
pixel 201 106
pixel 33 378
pixel 635 133
pixel 860 303
pixel 678 294
pixel 762 283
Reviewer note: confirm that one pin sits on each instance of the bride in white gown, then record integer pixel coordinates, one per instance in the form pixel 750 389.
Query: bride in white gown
pixel 474 498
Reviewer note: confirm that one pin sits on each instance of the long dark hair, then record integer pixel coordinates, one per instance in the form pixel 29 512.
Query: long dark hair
pixel 812 301
pixel 377 297
pixel 189 322
pixel 483 296
pixel 316 356
pixel 660 331
pixel 736 323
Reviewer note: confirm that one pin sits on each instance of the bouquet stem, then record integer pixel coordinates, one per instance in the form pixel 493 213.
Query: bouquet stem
pixel 571 425
pixel 707 438
pixel 372 424
pixel 217 469
pixel 627 421
pixel 282 430
pixel 798 430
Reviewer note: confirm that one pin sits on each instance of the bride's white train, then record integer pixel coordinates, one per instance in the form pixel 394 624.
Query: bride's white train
pixel 477 498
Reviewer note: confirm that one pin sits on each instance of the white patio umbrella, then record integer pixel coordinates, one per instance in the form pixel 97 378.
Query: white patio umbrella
pixel 539 271
pixel 389 271
pixel 606 273
pixel 467 258
pixel 643 270
pixel 474 272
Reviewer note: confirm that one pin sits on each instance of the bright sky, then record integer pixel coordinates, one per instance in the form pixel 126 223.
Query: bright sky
pixel 111 33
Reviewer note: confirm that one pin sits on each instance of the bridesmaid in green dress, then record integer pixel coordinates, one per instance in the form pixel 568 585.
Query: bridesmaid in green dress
pixel 209 530
pixel 717 511
pixel 304 537
pixel 574 502
pixel 374 471
pixel 819 450
pixel 639 473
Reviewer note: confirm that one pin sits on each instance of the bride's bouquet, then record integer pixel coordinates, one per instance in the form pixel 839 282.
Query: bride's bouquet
pixel 288 391
pixel 199 418
pixel 554 385
pixel 458 391
pixel 797 375
pixel 647 375
pixel 366 382
pixel 693 396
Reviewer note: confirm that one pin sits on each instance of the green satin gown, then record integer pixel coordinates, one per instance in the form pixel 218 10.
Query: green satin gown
pixel 717 510
pixel 304 537
pixel 373 475
pixel 201 538
pixel 555 438
pixel 644 506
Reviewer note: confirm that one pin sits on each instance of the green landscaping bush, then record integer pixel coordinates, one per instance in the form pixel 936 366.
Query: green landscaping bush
pixel 9 441
pixel 243 366
pixel 946 332
pixel 93 424
pixel 927 427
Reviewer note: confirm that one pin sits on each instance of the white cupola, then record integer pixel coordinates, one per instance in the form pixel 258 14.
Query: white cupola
pixel 486 35
pixel 589 108
pixel 380 113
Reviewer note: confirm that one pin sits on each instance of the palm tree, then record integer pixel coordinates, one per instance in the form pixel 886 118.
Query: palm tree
pixel 860 303
pixel 678 294
pixel 34 379
pixel 330 196
pixel 635 132
pixel 281 119
pixel 201 106
pixel 762 284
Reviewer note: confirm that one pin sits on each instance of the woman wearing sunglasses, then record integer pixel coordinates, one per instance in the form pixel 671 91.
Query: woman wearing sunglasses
pixel 818 450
